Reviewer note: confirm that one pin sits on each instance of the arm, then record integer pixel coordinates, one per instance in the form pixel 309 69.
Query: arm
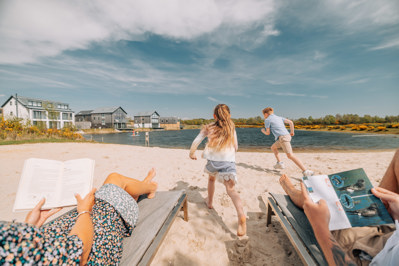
pixel 197 141
pixel 235 141
pixel 266 131
pixel 319 217
pixel 292 133
pixel 83 227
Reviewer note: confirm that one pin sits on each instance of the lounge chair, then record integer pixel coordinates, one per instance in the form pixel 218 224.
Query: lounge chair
pixel 296 226
pixel 155 218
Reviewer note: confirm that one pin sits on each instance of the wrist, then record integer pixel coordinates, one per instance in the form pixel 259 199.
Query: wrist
pixel 83 213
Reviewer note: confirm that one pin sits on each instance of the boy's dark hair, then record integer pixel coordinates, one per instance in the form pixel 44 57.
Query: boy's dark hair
pixel 267 110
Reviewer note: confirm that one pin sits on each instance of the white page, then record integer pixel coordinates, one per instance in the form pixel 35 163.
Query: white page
pixel 77 177
pixel 322 189
pixel 40 178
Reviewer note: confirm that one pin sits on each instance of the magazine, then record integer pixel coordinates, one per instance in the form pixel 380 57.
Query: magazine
pixel 349 199
pixel 54 180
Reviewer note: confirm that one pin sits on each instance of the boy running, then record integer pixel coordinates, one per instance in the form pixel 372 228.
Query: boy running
pixel 275 124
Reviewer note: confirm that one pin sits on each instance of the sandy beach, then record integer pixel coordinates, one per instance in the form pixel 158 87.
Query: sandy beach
pixel 209 237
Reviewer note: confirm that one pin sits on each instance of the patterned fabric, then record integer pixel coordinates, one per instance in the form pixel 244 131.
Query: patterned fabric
pixel 22 243
pixel 109 231
pixel 122 202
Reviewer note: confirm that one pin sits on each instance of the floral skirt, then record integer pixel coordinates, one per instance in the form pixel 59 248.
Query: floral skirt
pixel 114 216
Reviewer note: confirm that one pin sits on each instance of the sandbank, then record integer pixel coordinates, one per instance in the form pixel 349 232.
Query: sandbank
pixel 209 237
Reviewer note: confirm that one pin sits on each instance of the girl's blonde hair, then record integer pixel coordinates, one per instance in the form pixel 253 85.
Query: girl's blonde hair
pixel 221 132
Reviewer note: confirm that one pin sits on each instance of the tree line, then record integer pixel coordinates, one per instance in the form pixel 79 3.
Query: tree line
pixel 338 119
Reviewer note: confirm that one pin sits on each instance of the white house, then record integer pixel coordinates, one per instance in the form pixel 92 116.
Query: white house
pixel 40 112
pixel 147 120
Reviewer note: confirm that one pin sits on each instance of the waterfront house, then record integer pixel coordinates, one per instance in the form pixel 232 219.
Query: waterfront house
pixel 147 120
pixel 105 117
pixel 170 123
pixel 42 113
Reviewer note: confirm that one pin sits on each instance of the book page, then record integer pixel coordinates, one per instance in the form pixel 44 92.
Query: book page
pixel 320 187
pixel 40 178
pixel 77 177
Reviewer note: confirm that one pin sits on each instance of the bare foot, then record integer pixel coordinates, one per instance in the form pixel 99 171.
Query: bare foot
pixel 209 203
pixel 150 175
pixel 294 194
pixel 154 185
pixel 242 226
pixel 286 183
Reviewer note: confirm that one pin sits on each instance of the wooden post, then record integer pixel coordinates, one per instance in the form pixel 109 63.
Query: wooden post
pixel 185 210
pixel 269 214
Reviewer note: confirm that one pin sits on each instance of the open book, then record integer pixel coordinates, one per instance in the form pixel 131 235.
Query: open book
pixel 349 199
pixel 55 180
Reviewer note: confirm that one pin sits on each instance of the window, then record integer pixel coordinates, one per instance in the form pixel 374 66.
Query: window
pixel 30 103
pixel 65 116
pixel 10 102
pixel 37 115
pixel 11 113
pixel 103 122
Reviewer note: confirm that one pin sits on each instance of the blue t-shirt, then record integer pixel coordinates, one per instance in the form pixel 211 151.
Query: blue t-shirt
pixel 276 125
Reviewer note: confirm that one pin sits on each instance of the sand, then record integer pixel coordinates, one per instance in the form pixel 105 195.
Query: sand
pixel 209 237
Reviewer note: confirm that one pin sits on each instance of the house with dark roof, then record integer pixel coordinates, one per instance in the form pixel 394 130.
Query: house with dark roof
pixel 148 119
pixel 39 112
pixel 105 117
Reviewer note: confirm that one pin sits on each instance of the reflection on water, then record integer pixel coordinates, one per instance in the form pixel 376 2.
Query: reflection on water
pixel 251 139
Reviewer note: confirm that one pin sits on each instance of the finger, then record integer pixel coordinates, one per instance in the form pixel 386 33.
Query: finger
pixel 304 190
pixel 40 204
pixel 78 197
pixel 383 196
pixel 386 191
pixel 322 203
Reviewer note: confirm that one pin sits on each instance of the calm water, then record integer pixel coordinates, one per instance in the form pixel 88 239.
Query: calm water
pixel 253 139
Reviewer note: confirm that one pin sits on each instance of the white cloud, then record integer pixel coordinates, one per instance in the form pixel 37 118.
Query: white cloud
pixel 290 94
pixel 2 95
pixel 387 45
pixel 319 55
pixel 213 100
pixel 43 28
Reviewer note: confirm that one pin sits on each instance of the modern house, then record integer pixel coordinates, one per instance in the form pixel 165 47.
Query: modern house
pixel 170 123
pixel 147 120
pixel 39 112
pixel 105 117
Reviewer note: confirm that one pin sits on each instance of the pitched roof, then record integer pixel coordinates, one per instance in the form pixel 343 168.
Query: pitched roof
pixel 104 110
pixel 25 101
pixel 85 112
pixel 147 113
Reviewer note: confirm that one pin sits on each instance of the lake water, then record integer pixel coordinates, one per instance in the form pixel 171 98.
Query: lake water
pixel 251 139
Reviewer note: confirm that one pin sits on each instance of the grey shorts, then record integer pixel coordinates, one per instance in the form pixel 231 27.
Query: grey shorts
pixel 223 171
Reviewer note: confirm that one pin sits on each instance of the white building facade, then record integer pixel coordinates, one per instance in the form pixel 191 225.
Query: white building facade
pixel 147 120
pixel 39 112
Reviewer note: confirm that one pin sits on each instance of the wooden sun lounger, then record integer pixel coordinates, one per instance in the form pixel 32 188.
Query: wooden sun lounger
pixel 155 218
pixel 296 226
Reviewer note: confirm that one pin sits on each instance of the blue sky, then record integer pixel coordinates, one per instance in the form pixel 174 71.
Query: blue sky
pixel 182 57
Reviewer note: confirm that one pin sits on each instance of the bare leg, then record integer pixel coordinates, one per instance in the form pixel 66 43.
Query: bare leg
pixel 242 222
pixel 275 151
pixel 211 190
pixel 390 180
pixel 296 160
pixel 294 194
pixel 133 186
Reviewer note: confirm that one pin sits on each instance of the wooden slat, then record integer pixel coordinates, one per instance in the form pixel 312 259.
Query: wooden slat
pixel 154 215
pixel 298 221
pixel 292 235
pixel 156 243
